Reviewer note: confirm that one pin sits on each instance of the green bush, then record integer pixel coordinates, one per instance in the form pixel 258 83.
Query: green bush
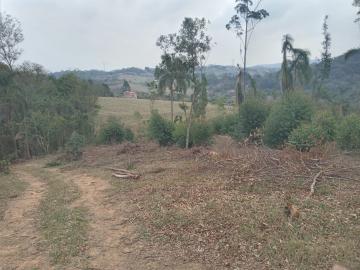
pixel 326 125
pixel 114 132
pixel 200 134
pixel 129 135
pixel 252 115
pixel 74 146
pixel 225 124
pixel 160 129
pixel 286 116
pixel 348 137
pixel 321 130
pixel 304 137
pixel 4 166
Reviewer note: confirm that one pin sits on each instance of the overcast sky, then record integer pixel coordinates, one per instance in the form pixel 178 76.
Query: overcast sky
pixel 112 34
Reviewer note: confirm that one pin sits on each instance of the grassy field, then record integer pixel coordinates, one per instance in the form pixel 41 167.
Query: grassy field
pixel 134 111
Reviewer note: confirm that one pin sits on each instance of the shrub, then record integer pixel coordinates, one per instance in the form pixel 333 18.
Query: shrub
pixel 160 129
pixel 200 134
pixel 252 115
pixel 326 125
pixel 129 135
pixel 286 116
pixel 321 130
pixel 74 146
pixel 114 132
pixel 348 137
pixel 304 137
pixel 4 166
pixel 225 124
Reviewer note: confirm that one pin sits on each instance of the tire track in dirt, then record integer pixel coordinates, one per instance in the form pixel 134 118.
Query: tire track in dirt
pixel 108 232
pixel 112 241
pixel 20 242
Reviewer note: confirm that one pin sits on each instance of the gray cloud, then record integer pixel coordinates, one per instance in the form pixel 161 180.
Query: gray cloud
pixel 85 34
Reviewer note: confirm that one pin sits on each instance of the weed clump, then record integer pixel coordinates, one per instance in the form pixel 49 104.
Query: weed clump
pixel 74 146
pixel 287 115
pixel 160 129
pixel 348 137
pixel 114 132
pixel 200 134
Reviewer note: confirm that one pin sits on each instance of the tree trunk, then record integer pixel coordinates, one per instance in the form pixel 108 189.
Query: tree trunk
pixel 16 155
pixel 190 113
pixel 172 103
pixel 26 141
pixel 245 51
pixel 189 125
pixel 239 91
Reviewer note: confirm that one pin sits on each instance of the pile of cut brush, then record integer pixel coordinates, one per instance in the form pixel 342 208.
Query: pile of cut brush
pixel 124 174
pixel 260 163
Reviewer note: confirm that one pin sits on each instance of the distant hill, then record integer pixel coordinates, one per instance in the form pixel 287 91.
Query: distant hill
pixel 344 81
pixel 136 77
pixel 221 78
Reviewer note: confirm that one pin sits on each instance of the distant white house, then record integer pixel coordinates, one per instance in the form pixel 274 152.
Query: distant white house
pixel 130 94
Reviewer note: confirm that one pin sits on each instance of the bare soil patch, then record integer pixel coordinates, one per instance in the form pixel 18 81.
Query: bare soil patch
pixel 20 242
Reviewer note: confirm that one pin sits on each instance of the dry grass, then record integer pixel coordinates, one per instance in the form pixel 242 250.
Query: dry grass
pixel 227 211
pixel 10 188
pixel 134 111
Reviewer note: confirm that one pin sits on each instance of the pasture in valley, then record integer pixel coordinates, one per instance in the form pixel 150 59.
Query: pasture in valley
pixel 133 112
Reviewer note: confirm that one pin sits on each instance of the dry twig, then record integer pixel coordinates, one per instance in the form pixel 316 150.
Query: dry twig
pixel 312 187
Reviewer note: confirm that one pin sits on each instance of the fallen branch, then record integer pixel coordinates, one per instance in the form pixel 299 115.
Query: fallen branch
pixel 118 170
pixel 126 176
pixel 312 187
pixel 123 174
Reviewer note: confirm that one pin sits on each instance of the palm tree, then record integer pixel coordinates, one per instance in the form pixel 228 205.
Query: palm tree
pixel 171 74
pixel 300 66
pixel 286 78
pixel 294 71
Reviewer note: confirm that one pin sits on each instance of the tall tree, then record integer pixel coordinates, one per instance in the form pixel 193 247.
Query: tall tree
pixel 295 68
pixel 192 44
pixel 357 4
pixel 352 52
pixel 286 78
pixel 171 74
pixel 326 59
pixel 325 64
pixel 10 37
pixel 202 100
pixel 243 23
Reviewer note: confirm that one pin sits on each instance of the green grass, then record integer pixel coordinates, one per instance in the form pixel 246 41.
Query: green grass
pixel 134 111
pixel 63 226
pixel 10 187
